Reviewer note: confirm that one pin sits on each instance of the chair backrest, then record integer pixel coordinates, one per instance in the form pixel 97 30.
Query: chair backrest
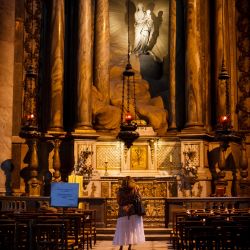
pixel 7 235
pixel 50 235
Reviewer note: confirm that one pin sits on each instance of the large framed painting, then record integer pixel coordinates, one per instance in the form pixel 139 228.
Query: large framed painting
pixel 139 157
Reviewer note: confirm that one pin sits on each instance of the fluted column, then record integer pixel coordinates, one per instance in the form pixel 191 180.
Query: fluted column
pixel 101 49
pixel 172 66
pixel 57 65
pixel 7 44
pixel 193 93
pixel 84 67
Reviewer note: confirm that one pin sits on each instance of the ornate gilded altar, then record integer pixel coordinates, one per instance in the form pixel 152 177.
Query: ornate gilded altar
pixel 154 162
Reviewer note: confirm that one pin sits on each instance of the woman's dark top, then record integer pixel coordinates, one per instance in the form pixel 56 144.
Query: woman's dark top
pixel 125 199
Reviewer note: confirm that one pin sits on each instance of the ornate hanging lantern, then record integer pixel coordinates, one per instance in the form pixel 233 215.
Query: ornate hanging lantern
pixel 128 133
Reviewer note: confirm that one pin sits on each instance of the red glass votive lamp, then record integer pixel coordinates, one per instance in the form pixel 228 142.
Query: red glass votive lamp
pixel 128 118
pixel 225 121
pixel 30 117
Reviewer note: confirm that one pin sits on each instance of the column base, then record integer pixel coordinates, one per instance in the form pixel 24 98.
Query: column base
pixel 56 129
pixel 56 133
pixel 194 127
pixel 84 130
pixel 172 130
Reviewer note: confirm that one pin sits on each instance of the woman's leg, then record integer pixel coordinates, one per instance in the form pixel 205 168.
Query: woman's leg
pixel 121 247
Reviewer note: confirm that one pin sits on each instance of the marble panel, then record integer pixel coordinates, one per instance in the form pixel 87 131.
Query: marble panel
pixel 7 17
pixel 7 27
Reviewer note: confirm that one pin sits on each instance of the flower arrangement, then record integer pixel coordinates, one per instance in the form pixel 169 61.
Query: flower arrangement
pixel 82 168
pixel 188 172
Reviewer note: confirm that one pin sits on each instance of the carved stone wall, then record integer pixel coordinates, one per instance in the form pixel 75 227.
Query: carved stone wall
pixel 32 32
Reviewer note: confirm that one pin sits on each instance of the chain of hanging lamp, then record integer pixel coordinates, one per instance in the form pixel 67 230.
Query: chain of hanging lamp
pixel 128 79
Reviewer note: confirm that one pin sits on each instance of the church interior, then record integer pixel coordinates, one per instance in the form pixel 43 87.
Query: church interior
pixel 93 91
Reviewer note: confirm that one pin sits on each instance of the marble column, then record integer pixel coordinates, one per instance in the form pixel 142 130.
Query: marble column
pixel 7 39
pixel 84 67
pixel 231 57
pixel 194 115
pixel 57 65
pixel 101 49
pixel 206 61
pixel 172 66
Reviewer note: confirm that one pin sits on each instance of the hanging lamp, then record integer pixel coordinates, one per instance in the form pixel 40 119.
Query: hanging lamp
pixel 128 126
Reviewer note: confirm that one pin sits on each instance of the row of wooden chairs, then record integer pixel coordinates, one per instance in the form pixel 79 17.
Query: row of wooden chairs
pixel 209 231
pixel 48 231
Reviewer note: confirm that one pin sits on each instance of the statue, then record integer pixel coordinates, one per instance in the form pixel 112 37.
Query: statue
pixel 144 29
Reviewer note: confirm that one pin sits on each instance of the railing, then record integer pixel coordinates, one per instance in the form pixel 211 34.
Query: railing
pixel 159 211
pixel 207 203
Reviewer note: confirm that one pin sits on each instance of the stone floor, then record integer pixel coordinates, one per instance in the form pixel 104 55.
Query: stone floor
pixel 148 245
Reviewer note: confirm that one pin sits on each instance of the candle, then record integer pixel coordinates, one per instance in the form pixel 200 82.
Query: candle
pixel 170 158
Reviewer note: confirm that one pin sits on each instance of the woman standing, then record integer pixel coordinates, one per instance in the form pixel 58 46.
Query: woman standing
pixel 129 227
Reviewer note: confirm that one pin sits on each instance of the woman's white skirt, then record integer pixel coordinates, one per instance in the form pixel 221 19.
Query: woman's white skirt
pixel 129 230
